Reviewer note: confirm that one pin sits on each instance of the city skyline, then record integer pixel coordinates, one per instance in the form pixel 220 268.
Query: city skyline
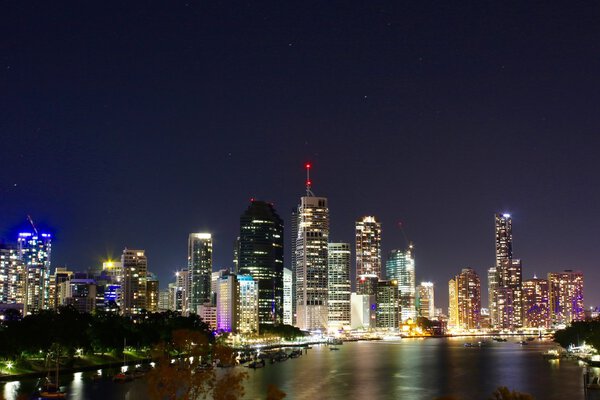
pixel 118 134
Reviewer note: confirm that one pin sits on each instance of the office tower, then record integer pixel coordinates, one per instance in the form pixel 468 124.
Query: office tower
pixel 174 297
pixel 508 298
pixel 294 240
pixel 208 314
pixel 61 275
pixel 311 261
pixel 453 303
pixel 12 275
pixel 368 247
pixel 363 309
pixel 566 297
pixel 226 293
pixel 287 296
pixel 261 256
pixel 80 294
pixel 401 267
pixel 367 284
pixel 465 300
pixel 536 306
pixel 492 276
pixel 388 307
pixel 200 269
pixel 426 300
pixel 152 290
pixel 247 311
pixel 236 255
pixel 35 253
pixel 113 269
pixel 503 228
pixel 182 291
pixel 135 270
pixel 338 286
pixel 164 303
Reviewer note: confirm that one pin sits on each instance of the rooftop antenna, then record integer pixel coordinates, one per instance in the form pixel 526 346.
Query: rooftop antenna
pixel 309 192
pixel 409 243
pixel 32 224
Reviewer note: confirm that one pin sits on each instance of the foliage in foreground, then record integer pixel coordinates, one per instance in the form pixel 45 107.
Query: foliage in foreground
pixel 501 393
pixel 578 332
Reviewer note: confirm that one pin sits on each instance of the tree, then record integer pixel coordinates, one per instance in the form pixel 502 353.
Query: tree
pixel 503 393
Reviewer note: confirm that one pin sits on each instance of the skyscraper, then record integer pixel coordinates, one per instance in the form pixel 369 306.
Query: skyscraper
pixel 536 306
pixel 12 275
pixel 503 228
pixel 35 253
pixel 339 286
pixel 426 300
pixel 261 256
pixel 135 271
pixel 227 302
pixel 401 267
pixel 152 293
pixel 247 311
pixel 287 296
pixel 200 269
pixel 388 307
pixel 368 247
pixel 465 300
pixel 311 260
pixel 566 297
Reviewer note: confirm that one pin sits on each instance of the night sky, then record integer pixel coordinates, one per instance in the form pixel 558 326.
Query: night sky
pixel 134 124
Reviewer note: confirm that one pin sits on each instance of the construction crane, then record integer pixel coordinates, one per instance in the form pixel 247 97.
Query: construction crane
pixel 32 224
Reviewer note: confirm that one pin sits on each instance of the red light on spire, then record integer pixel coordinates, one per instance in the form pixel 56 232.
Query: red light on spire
pixel 307 166
pixel 308 182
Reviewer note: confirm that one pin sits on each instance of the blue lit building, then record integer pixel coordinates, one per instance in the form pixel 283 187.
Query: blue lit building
pixel 35 253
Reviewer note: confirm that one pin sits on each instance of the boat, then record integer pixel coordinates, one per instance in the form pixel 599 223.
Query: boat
pixel 468 344
pixel 122 377
pixel 551 355
pixel 333 348
pixel 500 339
pixel 51 389
pixel 523 342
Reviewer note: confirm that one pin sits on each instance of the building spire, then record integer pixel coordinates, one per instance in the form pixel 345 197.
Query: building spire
pixel 308 181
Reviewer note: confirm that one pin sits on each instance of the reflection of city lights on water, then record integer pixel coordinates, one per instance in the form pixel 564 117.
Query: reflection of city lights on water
pixel 11 390
pixel 76 388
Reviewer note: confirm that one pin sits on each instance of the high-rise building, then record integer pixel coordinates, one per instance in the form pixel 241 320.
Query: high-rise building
pixel 287 296
pixel 135 270
pixel 164 303
pixel 363 311
pixel 247 310
pixel 236 255
pixel 503 228
pixel 367 284
pixel 152 293
pixel 426 300
pixel 311 261
pixel 227 302
pixel 261 256
pixel 566 297
pixel 200 269
pixel 61 274
pixel 12 275
pixel 368 246
pixel 508 295
pixel 465 300
pixel 338 286
pixel 35 253
pixel 400 266
pixel 80 293
pixel 182 291
pixel 294 240
pixel 492 276
pixel 388 307
pixel 536 306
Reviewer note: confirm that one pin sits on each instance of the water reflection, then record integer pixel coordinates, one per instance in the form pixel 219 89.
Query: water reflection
pixel 11 390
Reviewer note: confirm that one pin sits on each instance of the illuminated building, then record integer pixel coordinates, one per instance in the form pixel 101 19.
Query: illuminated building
pixel 368 247
pixel 311 261
pixel 12 275
pixel 367 284
pixel 465 300
pixel 226 293
pixel 152 292
pixel 261 256
pixel 566 297
pixel 400 266
pixel 505 279
pixel 80 294
pixel 294 240
pixel 363 309
pixel 247 311
pixel 114 269
pixel 35 252
pixel 536 306
pixel 181 292
pixel 287 297
pixel 338 287
pixel 163 300
pixel 135 270
pixel 208 314
pixel 61 275
pixel 387 314
pixel 426 300
pixel 200 269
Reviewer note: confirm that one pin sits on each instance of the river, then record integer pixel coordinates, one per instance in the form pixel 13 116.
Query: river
pixel 408 369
